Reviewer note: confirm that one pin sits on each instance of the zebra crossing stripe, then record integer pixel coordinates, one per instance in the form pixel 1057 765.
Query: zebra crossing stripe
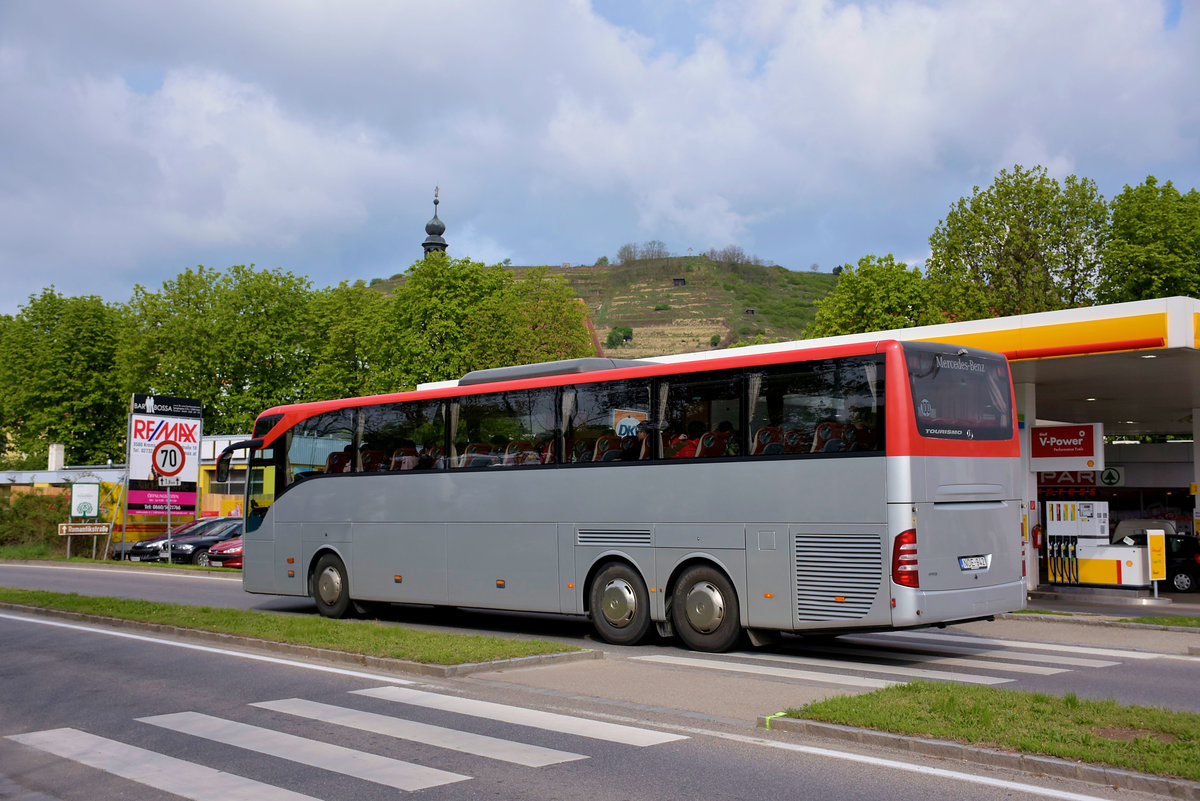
pixel 347 761
pixel 959 661
pixel 774 672
pixel 152 769
pixel 1085 650
pixel 550 721
pixel 891 670
pixel 532 756
pixel 932 653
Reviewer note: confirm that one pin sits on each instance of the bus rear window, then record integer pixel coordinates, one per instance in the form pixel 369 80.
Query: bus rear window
pixel 959 394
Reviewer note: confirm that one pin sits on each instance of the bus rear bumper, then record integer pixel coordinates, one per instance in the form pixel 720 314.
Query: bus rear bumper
pixel 915 607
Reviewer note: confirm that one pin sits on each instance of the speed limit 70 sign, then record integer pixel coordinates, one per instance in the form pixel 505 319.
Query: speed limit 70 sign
pixel 169 458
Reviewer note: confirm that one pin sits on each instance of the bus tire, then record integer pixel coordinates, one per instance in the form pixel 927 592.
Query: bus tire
pixel 704 610
pixel 620 605
pixel 330 588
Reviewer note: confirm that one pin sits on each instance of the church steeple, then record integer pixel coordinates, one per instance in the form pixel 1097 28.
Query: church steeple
pixel 434 243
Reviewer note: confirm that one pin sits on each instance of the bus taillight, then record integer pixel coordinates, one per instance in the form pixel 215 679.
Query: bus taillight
pixel 904 559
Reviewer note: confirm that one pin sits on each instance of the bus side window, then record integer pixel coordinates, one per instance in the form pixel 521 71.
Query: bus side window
pixel 702 413
pixel 601 421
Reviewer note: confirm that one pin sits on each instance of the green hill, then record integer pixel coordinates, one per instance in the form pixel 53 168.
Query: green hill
pixel 680 303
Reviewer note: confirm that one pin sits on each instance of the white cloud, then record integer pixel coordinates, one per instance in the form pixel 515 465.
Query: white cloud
pixel 310 136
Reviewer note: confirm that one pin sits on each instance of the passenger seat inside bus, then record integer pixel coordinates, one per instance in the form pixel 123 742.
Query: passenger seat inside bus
pixel 518 452
pixel 796 441
pixel 768 441
pixel 608 449
pixel 828 437
pixel 476 454
pixel 404 458
pixel 372 460
pixel 712 443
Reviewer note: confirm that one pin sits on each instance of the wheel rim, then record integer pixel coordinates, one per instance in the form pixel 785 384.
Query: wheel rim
pixel 705 607
pixel 1183 582
pixel 202 559
pixel 618 603
pixel 329 585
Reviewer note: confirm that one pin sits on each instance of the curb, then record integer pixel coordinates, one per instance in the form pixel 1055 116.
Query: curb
pixel 1077 620
pixel 1013 760
pixel 380 663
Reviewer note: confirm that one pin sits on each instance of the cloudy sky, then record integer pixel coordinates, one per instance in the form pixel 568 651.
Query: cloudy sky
pixel 142 137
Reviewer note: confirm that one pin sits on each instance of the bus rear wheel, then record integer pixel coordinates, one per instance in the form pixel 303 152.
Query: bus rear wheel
pixel 620 605
pixel 704 610
pixel 330 588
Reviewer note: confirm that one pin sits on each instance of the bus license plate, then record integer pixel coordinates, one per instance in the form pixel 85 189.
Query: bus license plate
pixel 972 562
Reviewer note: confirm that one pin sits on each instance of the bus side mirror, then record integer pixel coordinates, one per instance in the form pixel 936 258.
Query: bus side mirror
pixel 223 465
pixel 227 456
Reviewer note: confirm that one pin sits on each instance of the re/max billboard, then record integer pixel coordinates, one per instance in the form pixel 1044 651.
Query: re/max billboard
pixel 162 426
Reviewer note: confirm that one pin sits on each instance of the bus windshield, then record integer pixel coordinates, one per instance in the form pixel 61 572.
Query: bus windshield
pixel 959 394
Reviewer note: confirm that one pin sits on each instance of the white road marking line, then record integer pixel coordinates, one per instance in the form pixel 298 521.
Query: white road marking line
pixel 533 756
pixel 152 769
pixel 892 670
pixel 965 639
pixel 274 660
pixel 892 764
pixel 763 670
pixel 551 721
pixel 127 571
pixel 982 664
pixel 347 761
pixel 1007 655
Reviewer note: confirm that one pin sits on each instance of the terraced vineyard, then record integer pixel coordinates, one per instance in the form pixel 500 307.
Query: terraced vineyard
pixel 681 304
pixel 690 303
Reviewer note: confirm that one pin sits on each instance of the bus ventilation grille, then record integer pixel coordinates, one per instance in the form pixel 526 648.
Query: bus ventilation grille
pixel 837 577
pixel 613 537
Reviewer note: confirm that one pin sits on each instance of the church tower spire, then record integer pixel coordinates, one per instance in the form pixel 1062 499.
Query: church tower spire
pixel 434 243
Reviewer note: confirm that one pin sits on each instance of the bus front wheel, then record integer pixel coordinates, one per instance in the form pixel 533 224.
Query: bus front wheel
pixel 620 605
pixel 330 587
pixel 704 610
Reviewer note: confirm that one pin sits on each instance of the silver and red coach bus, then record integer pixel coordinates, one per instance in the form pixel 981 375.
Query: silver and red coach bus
pixel 817 489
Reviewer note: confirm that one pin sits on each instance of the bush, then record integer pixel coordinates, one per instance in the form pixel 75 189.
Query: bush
pixel 619 334
pixel 31 519
pixel 661 306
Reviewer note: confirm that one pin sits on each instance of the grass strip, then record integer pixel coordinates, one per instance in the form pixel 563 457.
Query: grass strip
pixel 1143 739
pixel 372 638
pixel 1166 620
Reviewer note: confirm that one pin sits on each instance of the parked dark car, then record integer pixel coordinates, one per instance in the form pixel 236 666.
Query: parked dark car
pixel 1183 551
pixel 194 548
pixel 226 554
pixel 155 548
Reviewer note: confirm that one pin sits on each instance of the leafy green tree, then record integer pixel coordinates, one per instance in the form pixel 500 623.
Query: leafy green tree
pixel 1022 245
pixel 349 342
pixel 58 381
pixel 238 341
pixel 1154 249
pixel 437 318
pixel 877 295
pixel 535 318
